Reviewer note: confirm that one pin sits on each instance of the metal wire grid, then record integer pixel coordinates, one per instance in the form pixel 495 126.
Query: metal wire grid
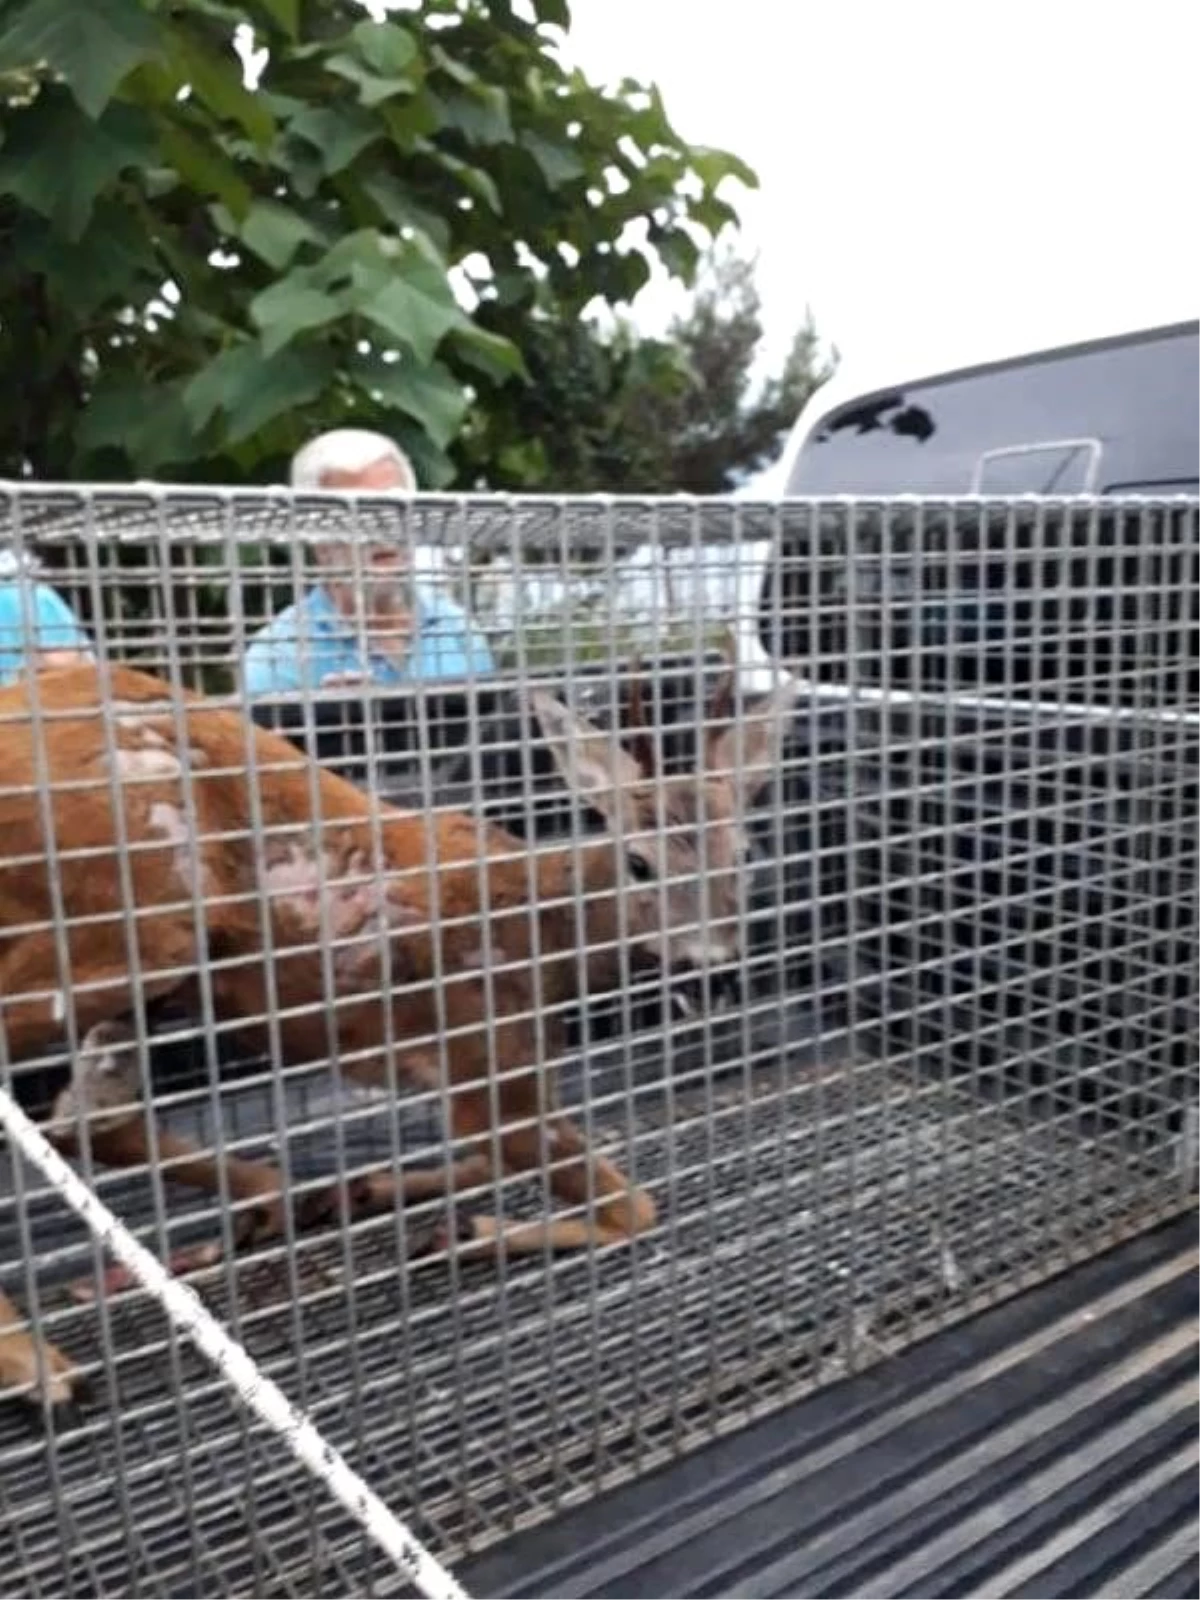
pixel 546 581
pixel 1050 865
pixel 958 1052
pixel 797 1256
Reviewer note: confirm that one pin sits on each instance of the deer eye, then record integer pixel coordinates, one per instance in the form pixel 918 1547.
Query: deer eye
pixel 639 868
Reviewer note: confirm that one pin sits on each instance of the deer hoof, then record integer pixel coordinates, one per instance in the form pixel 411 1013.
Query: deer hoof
pixel 62 1407
pixel 63 1415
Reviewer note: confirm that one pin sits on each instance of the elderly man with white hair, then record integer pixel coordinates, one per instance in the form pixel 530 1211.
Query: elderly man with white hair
pixel 386 629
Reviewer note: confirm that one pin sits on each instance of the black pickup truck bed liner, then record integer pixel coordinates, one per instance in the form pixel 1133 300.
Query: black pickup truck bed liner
pixel 1045 1447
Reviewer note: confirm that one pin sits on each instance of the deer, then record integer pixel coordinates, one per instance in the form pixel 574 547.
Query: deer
pixel 429 949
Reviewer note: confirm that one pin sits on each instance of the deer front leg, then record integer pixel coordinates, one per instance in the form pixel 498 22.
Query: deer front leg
pixel 258 1186
pixel 105 1092
pixel 105 1089
pixel 368 1194
pixel 379 1189
pixel 614 1211
pixel 382 1188
pixel 60 1383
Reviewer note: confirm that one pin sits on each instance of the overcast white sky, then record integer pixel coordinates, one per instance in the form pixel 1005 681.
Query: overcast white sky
pixel 940 181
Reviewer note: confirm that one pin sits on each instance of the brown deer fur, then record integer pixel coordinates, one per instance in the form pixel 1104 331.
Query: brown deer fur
pixel 200 809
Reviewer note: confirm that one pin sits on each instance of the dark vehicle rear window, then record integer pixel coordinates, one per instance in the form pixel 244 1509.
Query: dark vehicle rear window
pixel 1119 415
pixel 1084 606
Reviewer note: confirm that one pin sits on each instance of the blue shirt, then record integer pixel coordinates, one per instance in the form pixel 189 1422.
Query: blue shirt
pixel 312 640
pixel 34 617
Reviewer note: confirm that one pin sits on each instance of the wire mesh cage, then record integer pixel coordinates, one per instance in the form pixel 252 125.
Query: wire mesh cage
pixel 596 968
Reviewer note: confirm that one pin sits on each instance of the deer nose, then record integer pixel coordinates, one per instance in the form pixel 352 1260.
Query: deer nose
pixel 705 978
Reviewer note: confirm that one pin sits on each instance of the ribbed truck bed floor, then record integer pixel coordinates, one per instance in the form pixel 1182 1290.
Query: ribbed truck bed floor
pixel 1046 1448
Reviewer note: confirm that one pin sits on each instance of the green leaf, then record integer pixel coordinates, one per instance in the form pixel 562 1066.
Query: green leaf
pixel 410 121
pixel 558 163
pixel 496 357
pixel 458 70
pixel 713 165
pixel 204 167
pixel 524 461
pixel 430 395
pixel 286 13
pixel 227 16
pixel 712 214
pixel 416 307
pixel 372 89
pixel 281 106
pixel 628 273
pixel 148 423
pixel 206 393
pixel 113 262
pixel 387 49
pixel 398 208
pixel 363 260
pixel 250 390
pixel 433 469
pixel 679 253
pixel 481 115
pixel 274 232
pixel 339 133
pixel 289 307
pixel 555 12
pixel 93 44
pixel 217 81
pixel 473 179
pixel 342 184
pixel 58 162
pixel 400 286
pixel 514 287
pixel 303 167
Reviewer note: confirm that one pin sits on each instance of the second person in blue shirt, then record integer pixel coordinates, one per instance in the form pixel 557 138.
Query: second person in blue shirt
pixel 38 629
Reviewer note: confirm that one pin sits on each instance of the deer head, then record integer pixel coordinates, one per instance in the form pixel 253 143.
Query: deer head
pixel 684 847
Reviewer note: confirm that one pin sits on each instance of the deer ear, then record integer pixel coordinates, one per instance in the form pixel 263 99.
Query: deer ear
pixel 592 763
pixel 640 738
pixel 746 753
pixel 720 707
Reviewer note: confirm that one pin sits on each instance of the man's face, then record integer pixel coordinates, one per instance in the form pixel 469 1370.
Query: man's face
pixel 384 474
pixel 384 567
